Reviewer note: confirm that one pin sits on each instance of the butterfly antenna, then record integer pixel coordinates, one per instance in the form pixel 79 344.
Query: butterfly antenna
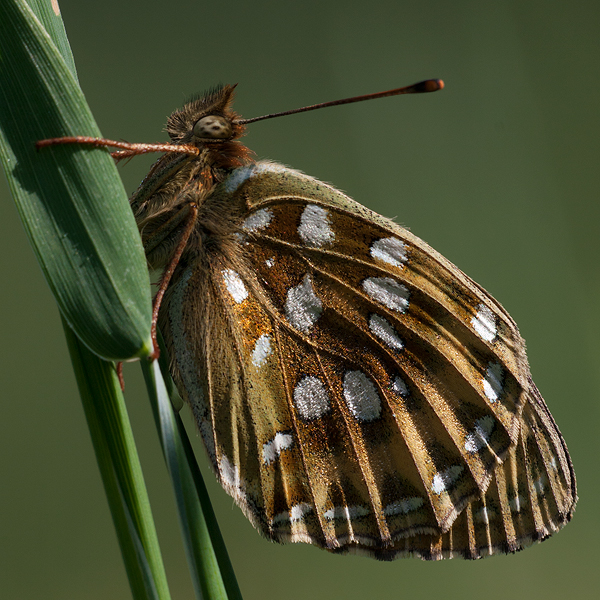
pixel 430 85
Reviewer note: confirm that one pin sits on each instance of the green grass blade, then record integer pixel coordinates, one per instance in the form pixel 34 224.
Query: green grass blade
pixel 212 525
pixel 71 199
pixel 48 13
pixel 198 525
pixel 218 544
pixel 121 471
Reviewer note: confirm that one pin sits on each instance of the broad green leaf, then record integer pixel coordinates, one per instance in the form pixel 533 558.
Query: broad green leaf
pixel 48 12
pixel 71 199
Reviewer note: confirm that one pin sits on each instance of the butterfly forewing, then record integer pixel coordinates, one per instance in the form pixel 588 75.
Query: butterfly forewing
pixel 353 388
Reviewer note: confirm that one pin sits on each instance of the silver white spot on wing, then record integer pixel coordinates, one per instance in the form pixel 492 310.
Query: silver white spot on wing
pixel 361 396
pixel 444 480
pixel 298 511
pixel 302 306
pixel 385 331
pixel 484 514
pixel 387 291
pixel 273 449
pixel 540 485
pixel 295 514
pixel 237 177
pixel 258 220
pixel 262 349
pixel 517 503
pixel 270 262
pixel 480 436
pixel 399 387
pixel 230 474
pixel 315 227
pixel 242 174
pixel 485 323
pixel 346 513
pixel 493 381
pixel 235 286
pixel 311 398
pixel 390 250
pixel 403 506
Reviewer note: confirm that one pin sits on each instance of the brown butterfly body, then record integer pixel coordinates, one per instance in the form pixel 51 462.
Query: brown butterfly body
pixel 353 388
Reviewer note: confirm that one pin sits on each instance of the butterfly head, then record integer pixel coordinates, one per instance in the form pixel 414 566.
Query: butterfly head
pixel 206 120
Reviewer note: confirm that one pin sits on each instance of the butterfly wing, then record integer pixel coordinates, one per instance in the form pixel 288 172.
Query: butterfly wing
pixel 354 389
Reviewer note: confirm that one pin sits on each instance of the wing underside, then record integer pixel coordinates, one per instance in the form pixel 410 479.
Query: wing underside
pixel 357 392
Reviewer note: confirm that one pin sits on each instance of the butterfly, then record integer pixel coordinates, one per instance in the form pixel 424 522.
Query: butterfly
pixel 353 388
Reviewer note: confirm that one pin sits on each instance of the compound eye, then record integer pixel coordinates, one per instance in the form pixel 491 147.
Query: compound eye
pixel 214 127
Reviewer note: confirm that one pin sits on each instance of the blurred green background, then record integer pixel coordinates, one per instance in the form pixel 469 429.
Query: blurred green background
pixel 499 172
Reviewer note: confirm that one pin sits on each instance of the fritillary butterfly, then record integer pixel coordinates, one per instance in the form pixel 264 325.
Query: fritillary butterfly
pixel 354 389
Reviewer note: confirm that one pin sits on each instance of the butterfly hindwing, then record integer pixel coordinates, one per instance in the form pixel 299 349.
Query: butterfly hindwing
pixel 353 388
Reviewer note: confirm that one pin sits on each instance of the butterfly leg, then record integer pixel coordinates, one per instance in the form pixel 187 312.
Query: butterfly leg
pixel 187 216
pixel 127 149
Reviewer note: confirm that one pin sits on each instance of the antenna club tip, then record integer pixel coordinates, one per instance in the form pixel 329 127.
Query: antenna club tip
pixel 431 85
